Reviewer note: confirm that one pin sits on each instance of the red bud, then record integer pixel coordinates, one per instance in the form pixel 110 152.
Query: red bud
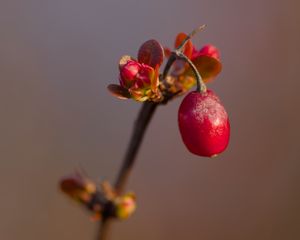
pixel 210 51
pixel 128 73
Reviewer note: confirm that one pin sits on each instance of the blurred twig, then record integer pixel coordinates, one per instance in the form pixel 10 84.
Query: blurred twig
pixel 146 112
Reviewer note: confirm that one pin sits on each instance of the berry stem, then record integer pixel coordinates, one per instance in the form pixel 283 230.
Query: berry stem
pixel 178 54
pixel 180 49
pixel 201 87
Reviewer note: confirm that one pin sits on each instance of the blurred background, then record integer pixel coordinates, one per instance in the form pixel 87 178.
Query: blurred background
pixel 56 59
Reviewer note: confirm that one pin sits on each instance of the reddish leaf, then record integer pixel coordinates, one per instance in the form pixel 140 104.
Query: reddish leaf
pixel 188 48
pixel 209 50
pixel 208 67
pixel 151 53
pixel 167 52
pixel 118 91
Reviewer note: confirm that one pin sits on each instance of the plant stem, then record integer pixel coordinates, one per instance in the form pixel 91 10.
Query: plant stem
pixel 201 87
pixel 139 130
pixel 178 54
pixel 140 126
pixel 104 229
pixel 196 30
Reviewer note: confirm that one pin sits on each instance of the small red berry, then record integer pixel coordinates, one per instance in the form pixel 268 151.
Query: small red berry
pixel 203 124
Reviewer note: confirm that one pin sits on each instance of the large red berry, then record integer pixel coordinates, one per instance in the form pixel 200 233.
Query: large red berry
pixel 203 124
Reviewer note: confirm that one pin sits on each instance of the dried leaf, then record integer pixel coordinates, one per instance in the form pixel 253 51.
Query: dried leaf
pixel 118 91
pixel 151 53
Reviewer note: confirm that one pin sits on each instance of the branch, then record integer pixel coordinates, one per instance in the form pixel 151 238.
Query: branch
pixel 147 110
pixel 141 124
pixel 140 127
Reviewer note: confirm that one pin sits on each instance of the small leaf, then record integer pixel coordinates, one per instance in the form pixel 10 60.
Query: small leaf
pixel 138 95
pixel 167 52
pixel 155 79
pixel 118 91
pixel 208 67
pixel 151 53
pixel 188 48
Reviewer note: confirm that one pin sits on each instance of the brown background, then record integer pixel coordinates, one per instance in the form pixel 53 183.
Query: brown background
pixel 56 59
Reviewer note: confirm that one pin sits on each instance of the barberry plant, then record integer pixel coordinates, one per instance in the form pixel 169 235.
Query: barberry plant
pixel 202 119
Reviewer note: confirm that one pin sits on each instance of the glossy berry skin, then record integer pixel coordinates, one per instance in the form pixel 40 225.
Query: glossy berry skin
pixel 203 124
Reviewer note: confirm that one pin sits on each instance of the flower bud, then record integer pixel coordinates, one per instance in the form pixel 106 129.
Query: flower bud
pixel 78 187
pixel 141 80
pixel 125 205
pixel 128 73
pixel 144 77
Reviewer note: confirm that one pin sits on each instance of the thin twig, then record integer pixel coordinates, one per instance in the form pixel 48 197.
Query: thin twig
pixel 140 127
pixel 178 54
pixel 196 30
pixel 141 124
pixel 104 229
pixel 142 121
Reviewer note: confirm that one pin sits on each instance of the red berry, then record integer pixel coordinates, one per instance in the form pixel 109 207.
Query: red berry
pixel 203 124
